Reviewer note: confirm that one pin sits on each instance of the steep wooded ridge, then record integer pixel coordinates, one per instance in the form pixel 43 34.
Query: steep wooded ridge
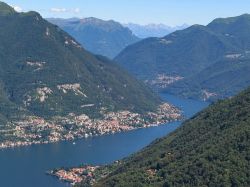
pixel 107 38
pixel 210 149
pixel 51 88
pixel 202 62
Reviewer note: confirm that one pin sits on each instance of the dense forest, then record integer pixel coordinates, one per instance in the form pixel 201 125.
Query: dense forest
pixel 210 149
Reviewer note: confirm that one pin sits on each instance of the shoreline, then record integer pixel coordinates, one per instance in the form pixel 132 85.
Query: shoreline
pixel 36 130
pixel 86 173
pixel 27 144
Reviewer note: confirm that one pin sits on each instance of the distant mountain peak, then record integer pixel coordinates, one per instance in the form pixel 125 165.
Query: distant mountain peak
pixel 105 37
pixel 197 27
pixel 107 25
pixel 153 30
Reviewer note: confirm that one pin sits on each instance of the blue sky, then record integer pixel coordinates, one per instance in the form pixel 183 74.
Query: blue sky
pixel 170 12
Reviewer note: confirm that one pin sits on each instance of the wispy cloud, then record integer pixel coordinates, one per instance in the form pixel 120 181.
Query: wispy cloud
pixel 63 10
pixel 17 8
pixel 77 10
pixel 58 10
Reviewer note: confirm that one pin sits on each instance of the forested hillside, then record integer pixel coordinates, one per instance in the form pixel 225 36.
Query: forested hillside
pixel 210 149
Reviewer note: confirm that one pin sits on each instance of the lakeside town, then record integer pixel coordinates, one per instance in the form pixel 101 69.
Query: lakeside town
pixel 87 174
pixel 36 130
pixel 75 175
pixel 162 81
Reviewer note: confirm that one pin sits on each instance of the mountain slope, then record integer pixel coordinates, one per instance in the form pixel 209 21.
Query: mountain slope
pixel 63 90
pixel 180 53
pixel 210 149
pixel 223 79
pixel 236 29
pixel 184 55
pixel 33 65
pixel 227 76
pixel 9 110
pixel 106 38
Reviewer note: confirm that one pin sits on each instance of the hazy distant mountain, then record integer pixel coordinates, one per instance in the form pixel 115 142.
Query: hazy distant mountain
pixel 107 38
pixel 153 30
pixel 206 62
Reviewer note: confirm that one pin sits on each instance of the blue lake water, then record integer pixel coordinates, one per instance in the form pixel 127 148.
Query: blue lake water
pixel 26 166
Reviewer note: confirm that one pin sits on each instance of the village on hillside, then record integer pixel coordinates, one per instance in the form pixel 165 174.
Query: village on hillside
pixel 36 130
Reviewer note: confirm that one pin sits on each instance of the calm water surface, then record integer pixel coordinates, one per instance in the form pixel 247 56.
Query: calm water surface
pixel 26 166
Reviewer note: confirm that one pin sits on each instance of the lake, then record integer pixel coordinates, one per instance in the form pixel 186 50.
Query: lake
pixel 26 166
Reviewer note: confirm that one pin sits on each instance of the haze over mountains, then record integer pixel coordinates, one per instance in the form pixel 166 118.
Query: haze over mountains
pixel 106 38
pixel 109 38
pixel 198 62
pixel 153 30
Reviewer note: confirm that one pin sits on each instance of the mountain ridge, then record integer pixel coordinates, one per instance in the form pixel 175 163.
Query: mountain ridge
pixel 170 62
pixel 106 38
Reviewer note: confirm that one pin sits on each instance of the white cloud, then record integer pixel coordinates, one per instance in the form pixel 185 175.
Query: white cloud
pixel 63 10
pixel 58 10
pixel 77 10
pixel 17 8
